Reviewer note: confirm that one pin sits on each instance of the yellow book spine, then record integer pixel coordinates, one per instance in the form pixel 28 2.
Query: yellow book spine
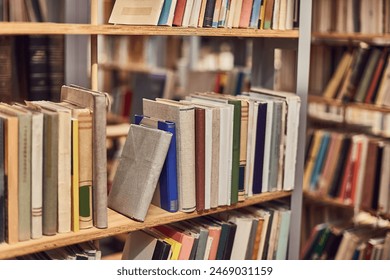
pixel 175 248
pixel 75 176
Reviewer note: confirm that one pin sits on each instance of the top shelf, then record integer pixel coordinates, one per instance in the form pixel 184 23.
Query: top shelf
pixel 26 28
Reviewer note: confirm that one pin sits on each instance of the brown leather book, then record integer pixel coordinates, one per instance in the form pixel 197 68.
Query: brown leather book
pixel 200 115
pixel 369 176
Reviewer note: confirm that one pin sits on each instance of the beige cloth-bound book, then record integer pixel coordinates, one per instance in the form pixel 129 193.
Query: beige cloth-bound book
pixel 145 12
pixel 138 171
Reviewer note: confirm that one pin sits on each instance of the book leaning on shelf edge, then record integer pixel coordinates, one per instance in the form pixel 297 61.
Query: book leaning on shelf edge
pixel 138 171
pixel 166 195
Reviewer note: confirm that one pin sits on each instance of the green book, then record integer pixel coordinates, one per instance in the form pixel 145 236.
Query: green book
pixel 236 149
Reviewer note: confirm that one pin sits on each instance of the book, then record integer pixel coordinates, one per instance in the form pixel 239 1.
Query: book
pixel 187 13
pixel 75 224
pixel 200 157
pixel 167 13
pixel 209 13
pixel 64 163
pixel 255 15
pixel 378 73
pixel 36 169
pixel 194 18
pixel 167 194
pixel 161 251
pixel 184 118
pixel 237 13
pixel 145 12
pixel 179 12
pixel 97 103
pixel 259 149
pixel 143 154
pixel 85 157
pixel 217 11
pixel 11 133
pixel 139 245
pixel 23 170
pixel 246 12
pixel 223 14
pixel 3 206
pixel 276 15
pixel 268 12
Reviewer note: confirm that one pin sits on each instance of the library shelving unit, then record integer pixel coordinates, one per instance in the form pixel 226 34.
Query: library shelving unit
pixel 334 118
pixel 118 223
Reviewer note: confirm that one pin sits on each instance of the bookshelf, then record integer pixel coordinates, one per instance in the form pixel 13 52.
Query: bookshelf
pixel 340 115
pixel 117 224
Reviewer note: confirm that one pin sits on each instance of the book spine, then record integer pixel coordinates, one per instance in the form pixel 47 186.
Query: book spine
pixel 168 177
pixel 223 13
pixel 200 158
pixel 2 184
pixel 217 10
pixel 75 226
pixel 24 174
pixel 236 150
pixel 179 12
pixel 163 20
pixel 259 149
pixel 36 183
pixel 99 192
pixel 246 11
pixel 85 181
pixel 254 19
pixel 209 13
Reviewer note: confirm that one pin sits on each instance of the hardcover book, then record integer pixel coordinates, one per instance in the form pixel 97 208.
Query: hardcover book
pixel 184 118
pixel 166 195
pixel 138 171
pixel 97 102
pixel 146 12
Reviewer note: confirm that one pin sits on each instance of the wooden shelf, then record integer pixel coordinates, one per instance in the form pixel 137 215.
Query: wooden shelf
pixel 22 28
pixel 339 103
pixel 118 224
pixel 318 198
pixel 376 39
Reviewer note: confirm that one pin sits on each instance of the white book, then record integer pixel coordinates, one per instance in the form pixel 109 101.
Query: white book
pixel 249 145
pixel 171 12
pixel 187 13
pixel 230 13
pixel 276 15
pixel 194 18
pixel 267 146
pixel 209 243
pixel 139 245
pixel 237 13
pixel 290 15
pixel 217 11
pixel 282 14
pixel 146 12
pixel 253 148
pixel 243 230
pixel 223 13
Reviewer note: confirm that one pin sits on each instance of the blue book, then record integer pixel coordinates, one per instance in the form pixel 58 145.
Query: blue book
pixel 259 149
pixel 320 160
pixel 168 178
pixel 163 19
pixel 254 21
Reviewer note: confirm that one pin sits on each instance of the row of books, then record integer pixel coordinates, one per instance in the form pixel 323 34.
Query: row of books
pixel 32 10
pixel 53 167
pixel 346 241
pixel 32 67
pixel 258 14
pixel 351 168
pixel 251 233
pixel 220 149
pixel 361 75
pixel 351 16
pixel 81 251
pixel 366 120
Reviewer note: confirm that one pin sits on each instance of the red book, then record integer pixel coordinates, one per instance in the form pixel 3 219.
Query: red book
pixel 179 12
pixel 370 96
pixel 246 11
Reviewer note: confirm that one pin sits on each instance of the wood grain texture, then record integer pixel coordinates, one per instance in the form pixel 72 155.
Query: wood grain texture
pixel 22 28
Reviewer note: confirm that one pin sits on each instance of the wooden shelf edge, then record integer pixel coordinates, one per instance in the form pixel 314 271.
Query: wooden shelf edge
pixel 118 224
pixel 372 38
pixel 21 28
pixel 318 198
pixel 339 103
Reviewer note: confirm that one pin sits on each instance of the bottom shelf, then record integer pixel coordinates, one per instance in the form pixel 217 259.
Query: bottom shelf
pixel 118 224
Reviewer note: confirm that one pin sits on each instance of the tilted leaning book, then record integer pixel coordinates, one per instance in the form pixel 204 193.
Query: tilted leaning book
pixel 167 188
pixel 138 171
pixel 97 102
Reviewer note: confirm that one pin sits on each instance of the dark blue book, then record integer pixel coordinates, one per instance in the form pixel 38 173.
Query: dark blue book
pixel 209 13
pixel 259 148
pixel 168 189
